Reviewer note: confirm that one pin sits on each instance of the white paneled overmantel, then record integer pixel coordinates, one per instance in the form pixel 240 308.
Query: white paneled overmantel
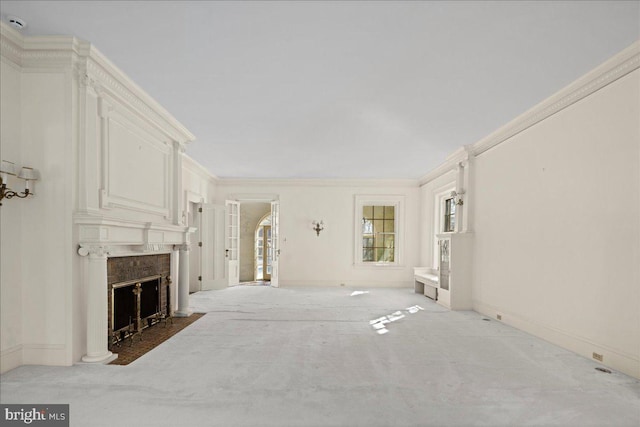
pixel 129 148
pixel 112 164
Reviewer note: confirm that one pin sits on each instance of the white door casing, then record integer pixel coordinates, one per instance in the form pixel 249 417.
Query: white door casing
pixel 275 241
pixel 232 242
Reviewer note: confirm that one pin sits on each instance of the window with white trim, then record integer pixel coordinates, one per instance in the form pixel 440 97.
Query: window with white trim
pixel 377 228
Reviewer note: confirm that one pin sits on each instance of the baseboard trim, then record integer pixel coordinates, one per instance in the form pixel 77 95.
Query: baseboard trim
pixel 615 359
pixel 10 358
pixel 345 284
pixel 45 354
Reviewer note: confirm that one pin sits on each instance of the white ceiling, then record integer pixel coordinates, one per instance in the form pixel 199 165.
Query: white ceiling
pixel 341 89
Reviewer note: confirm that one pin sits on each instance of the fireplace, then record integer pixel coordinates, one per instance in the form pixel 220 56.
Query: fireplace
pixel 134 302
pixel 139 293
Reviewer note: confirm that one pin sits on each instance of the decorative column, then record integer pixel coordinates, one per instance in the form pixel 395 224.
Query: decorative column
pixel 97 305
pixel 183 281
pixel 175 257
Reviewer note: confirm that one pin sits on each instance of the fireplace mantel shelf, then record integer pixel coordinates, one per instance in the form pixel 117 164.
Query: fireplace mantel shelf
pixel 124 237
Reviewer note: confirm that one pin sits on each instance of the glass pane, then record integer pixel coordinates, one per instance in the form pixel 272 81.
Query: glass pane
pixel 378 226
pixel 367 242
pixel 367 211
pixel 269 270
pixel 367 227
pixel 389 225
pixel 380 254
pixel 378 212
pixel 379 241
pixel 389 212
pixel 367 255
pixel 260 230
pixel 447 206
pixel 389 241
pixel 389 255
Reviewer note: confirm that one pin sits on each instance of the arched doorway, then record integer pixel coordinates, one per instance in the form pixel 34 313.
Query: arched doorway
pixel 263 253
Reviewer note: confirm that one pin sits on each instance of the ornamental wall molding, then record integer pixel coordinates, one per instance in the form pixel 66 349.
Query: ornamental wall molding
pixel 94 250
pixel 185 247
pixel 90 68
pixel 128 235
pixel 460 157
pixel 316 182
pixel 193 166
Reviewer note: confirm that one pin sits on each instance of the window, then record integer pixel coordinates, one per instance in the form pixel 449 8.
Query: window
pixel 378 233
pixel 449 215
pixel 378 230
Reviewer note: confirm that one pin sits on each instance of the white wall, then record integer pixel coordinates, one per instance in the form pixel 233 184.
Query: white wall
pixel 36 273
pixel 328 259
pixel 47 220
pixel 10 223
pixel 557 234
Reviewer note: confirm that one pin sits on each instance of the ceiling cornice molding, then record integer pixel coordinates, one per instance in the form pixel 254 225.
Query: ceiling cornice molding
pixel 193 166
pixel 462 154
pixel 110 77
pixel 611 70
pixel 89 67
pixel 11 42
pixel 317 182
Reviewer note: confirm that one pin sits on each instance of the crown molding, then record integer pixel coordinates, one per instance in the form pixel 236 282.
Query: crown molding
pixel 611 70
pixel 317 182
pixel 11 42
pixel 462 154
pixel 105 75
pixel 193 166
pixel 90 68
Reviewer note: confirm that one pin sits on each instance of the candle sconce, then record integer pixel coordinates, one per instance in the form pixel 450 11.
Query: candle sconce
pixel 457 197
pixel 27 174
pixel 317 227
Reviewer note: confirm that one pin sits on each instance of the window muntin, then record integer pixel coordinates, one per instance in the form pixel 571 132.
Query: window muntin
pixel 378 230
pixel 449 219
pixel 378 233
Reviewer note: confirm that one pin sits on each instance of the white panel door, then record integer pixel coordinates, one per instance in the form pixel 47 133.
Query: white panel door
pixel 275 242
pixel 232 250
pixel 212 251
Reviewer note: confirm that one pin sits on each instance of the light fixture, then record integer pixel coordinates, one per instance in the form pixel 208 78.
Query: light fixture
pixel 457 197
pixel 318 226
pixel 16 22
pixel 9 168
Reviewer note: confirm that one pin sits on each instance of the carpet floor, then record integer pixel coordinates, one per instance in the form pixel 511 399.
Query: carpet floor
pixel 264 356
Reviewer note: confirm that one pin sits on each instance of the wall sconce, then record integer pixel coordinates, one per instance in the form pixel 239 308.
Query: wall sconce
pixel 9 168
pixel 457 197
pixel 318 226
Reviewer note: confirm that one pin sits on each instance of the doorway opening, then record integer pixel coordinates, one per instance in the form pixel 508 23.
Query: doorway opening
pixel 256 253
pixel 263 250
